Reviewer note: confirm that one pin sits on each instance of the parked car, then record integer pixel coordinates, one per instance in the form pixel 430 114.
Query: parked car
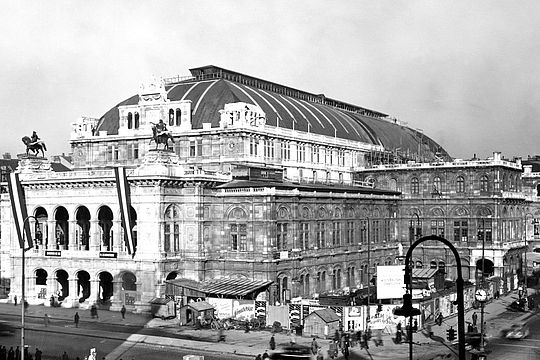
pixel 293 352
pixel 6 328
pixel 519 305
pixel 517 331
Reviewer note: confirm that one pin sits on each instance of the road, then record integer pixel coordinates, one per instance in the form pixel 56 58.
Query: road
pixel 53 343
pixel 500 348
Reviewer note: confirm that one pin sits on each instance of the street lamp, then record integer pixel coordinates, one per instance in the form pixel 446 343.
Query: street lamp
pixel 481 297
pixel 23 300
pixel 408 310
pixel 366 232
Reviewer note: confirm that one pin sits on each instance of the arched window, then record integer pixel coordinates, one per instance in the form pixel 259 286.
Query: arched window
pixel 433 265
pixel 415 187
pixel 418 264
pixel 129 282
pixel 171 240
pixel 437 183
pixel 460 184
pixel 136 120
pixel 178 117
pixel 130 121
pixel 538 190
pixel 171 117
pixel 484 183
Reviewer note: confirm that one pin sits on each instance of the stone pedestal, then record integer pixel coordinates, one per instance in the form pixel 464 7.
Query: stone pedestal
pixel 33 164
pixel 160 162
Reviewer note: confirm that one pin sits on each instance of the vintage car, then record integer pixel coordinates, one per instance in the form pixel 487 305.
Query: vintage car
pixel 295 351
pixel 6 328
pixel 517 331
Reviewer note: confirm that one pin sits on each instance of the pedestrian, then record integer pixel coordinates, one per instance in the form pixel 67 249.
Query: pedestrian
pixel 37 356
pixel 474 318
pixel 65 356
pixel 221 334
pixel 3 353
pixel 15 300
pixel 314 346
pixel 415 326
pixel 439 319
pixel 76 319
pixel 265 355
pixel 123 312
pixel 292 337
pixel 17 353
pixel 345 352
pixel 11 354
pixel 258 357
pixel 247 327
pixel 272 342
pixel 46 320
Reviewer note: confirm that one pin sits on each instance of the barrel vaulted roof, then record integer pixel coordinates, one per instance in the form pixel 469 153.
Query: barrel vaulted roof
pixel 210 88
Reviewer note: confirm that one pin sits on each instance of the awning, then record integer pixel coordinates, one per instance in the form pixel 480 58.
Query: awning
pixel 228 288
pixel 423 273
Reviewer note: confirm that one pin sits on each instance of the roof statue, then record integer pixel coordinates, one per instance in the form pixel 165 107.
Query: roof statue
pixel 34 144
pixel 152 90
pixel 161 135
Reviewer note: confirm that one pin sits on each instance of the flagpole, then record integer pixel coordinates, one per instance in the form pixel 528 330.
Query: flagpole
pixel 23 300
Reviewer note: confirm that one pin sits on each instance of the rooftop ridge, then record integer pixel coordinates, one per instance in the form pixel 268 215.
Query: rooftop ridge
pixel 214 72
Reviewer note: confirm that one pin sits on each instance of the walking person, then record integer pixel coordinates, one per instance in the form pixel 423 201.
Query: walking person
pixel 46 320
pixel 123 312
pixel 474 318
pixel 272 343
pixel 15 300
pixel 11 354
pixel 37 356
pixel 76 319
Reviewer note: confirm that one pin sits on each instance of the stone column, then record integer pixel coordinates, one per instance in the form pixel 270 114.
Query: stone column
pixel 72 239
pixel 118 236
pixel 94 291
pixel 117 297
pixel 94 237
pixel 51 235
pixel 73 298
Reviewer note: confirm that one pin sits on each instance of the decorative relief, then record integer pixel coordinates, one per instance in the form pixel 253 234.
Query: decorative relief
pixel 438 212
pixel 283 213
pixel 305 213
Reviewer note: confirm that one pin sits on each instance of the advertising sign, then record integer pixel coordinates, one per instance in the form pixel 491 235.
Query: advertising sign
pixel 390 284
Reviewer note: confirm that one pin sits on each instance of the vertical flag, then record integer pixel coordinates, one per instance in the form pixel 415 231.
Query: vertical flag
pixel 122 187
pixel 18 206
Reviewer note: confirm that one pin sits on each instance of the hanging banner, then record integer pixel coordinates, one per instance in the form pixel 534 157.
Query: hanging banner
pixel 18 206
pixel 122 187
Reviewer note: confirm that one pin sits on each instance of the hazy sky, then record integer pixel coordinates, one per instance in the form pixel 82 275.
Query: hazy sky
pixel 465 72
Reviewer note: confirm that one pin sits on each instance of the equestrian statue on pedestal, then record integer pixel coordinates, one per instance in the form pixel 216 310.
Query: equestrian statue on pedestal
pixel 35 144
pixel 161 135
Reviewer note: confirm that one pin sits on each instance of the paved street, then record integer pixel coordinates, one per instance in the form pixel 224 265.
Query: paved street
pixel 139 335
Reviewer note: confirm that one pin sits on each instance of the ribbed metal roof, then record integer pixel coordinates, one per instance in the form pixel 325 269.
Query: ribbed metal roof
pixel 211 88
pixel 224 286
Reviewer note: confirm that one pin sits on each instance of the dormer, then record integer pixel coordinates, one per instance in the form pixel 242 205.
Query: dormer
pixel 242 115
pixel 84 127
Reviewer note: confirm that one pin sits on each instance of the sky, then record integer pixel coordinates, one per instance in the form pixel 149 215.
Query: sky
pixel 464 72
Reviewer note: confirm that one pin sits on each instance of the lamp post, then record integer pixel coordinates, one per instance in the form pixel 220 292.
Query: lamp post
pixel 23 300
pixel 366 232
pixel 408 310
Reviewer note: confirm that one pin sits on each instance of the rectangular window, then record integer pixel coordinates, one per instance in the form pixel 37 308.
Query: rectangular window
pixel 364 233
pixel 282 236
pixel 461 230
pixel 336 234
pixel 234 237
pixel 350 232
pixel 176 237
pixel 242 235
pixel 320 235
pixel 376 231
pixel 300 153
pixel 484 230
pixel 437 227
pixel 285 150
pixel 192 148
pixel 304 236
pixel 167 238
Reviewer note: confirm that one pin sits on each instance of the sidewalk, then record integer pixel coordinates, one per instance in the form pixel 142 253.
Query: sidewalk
pixel 255 342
